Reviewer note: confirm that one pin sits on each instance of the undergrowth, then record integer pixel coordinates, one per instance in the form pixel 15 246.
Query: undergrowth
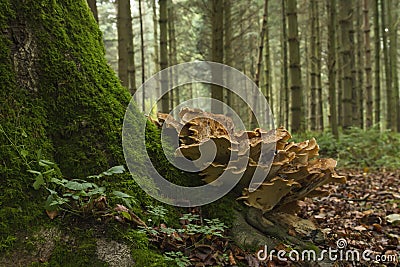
pixel 358 148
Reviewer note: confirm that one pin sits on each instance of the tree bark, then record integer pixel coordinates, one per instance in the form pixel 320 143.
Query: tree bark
pixel 345 13
pixel 297 116
pixel 126 54
pixel 313 66
pixel 60 101
pixel 228 60
pixel 377 49
pixel 164 55
pixel 217 52
pixel 142 54
pixel 331 9
pixel 368 67
pixel 93 7
pixel 285 76
pixel 156 57
pixel 394 25
pixel 386 61
pixel 320 109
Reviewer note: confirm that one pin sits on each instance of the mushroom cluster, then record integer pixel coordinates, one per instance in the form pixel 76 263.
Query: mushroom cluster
pixel 296 171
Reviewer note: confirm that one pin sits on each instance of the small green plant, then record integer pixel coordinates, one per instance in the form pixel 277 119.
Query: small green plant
pixel 76 195
pixel 177 257
pixel 157 214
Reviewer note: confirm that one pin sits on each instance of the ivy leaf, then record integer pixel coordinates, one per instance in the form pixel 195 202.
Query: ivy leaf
pixel 38 182
pixel 114 170
pixel 121 194
pixel 77 186
pixel 111 171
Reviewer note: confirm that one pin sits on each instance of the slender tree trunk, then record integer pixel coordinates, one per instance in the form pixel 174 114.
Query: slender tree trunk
pixel 339 72
pixel 142 53
pixel 320 109
pixel 285 75
pixel 297 118
pixel 126 54
pixel 331 9
pixel 313 67
pixel 353 53
pixel 261 46
pixel 345 13
pixel 228 45
pixel 393 35
pixel 377 50
pixel 367 68
pixel 268 76
pixel 388 84
pixel 155 37
pixel 174 94
pixel 217 52
pixel 93 7
pixel 171 75
pixel 359 67
pixel 164 55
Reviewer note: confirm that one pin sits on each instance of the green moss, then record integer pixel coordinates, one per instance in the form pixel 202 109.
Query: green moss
pixel 148 258
pixel 78 252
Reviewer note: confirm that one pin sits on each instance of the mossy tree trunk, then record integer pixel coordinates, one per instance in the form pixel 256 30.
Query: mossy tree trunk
pixel 60 100
pixel 93 7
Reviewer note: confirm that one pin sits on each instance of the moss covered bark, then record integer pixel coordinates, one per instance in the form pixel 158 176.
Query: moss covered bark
pixel 60 101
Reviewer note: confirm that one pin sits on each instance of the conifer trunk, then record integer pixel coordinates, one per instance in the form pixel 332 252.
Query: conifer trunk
pixel 297 116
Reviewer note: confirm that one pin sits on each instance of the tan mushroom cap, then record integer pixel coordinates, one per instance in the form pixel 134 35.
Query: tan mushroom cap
pixel 296 171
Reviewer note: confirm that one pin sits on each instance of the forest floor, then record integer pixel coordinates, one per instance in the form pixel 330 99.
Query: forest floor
pixel 358 213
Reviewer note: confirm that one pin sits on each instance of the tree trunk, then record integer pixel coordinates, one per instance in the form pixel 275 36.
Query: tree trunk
pixel 353 67
pixel 386 61
pixel 331 9
pixel 164 55
pixel 93 7
pixel 367 68
pixel 394 25
pixel 320 109
pixel 345 13
pixel 228 46
pixel 313 66
pixel 377 49
pixel 60 101
pixel 142 53
pixel 174 94
pixel 297 116
pixel 217 52
pixel 359 67
pixel 261 45
pixel 267 60
pixel 156 57
pixel 126 54
pixel 285 76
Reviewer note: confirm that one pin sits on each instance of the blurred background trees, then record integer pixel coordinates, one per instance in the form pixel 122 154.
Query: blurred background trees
pixel 322 65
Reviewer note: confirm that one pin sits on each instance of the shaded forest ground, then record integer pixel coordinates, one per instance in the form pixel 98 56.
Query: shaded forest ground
pixel 357 211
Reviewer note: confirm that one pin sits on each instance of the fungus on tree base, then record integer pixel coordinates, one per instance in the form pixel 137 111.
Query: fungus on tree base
pixel 296 171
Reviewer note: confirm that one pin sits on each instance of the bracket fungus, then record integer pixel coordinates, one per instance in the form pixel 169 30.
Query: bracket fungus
pixel 296 171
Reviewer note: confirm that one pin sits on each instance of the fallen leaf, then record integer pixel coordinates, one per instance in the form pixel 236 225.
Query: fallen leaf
pixel 393 218
pixel 52 214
